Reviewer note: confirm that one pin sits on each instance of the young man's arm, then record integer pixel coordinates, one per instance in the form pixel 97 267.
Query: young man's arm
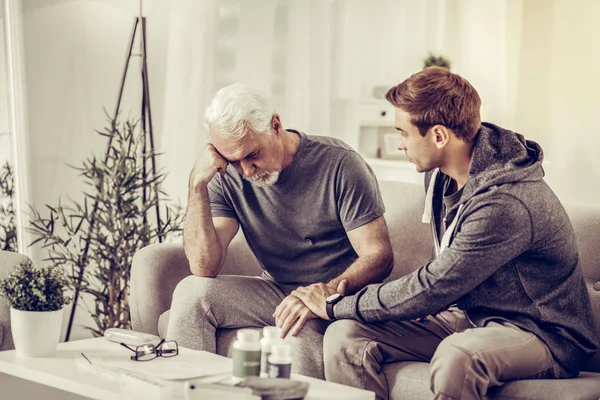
pixel 206 239
pixel 495 231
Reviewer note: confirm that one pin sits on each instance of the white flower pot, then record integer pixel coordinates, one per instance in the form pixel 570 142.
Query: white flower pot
pixel 35 333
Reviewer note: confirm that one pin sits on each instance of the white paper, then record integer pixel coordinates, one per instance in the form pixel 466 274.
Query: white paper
pixel 181 367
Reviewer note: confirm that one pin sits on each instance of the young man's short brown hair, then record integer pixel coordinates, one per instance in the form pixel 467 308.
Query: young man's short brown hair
pixel 436 96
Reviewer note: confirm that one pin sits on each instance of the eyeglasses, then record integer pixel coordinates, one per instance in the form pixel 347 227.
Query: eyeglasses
pixel 147 352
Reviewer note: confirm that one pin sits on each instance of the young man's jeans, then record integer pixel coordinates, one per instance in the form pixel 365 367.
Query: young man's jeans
pixel 465 360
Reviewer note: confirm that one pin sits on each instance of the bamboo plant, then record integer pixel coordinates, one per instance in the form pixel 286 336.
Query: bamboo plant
pixel 95 239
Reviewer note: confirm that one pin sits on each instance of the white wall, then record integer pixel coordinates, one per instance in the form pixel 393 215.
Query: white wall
pixel 575 102
pixel 74 55
pixel 558 102
pixel 5 152
pixel 533 63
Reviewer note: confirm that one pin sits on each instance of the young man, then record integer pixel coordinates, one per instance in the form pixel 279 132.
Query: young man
pixel 310 209
pixel 504 298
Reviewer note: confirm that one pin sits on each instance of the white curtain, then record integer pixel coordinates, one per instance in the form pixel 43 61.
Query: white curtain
pixel 280 47
pixel 5 148
pixel 189 79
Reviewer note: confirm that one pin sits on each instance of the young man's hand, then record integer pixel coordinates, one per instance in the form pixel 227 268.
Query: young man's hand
pixel 314 296
pixel 209 163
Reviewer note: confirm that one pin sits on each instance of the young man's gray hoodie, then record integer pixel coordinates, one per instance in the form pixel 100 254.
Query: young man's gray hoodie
pixel 510 254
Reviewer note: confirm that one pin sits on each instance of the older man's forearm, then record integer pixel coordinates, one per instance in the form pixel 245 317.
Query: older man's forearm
pixel 367 269
pixel 200 240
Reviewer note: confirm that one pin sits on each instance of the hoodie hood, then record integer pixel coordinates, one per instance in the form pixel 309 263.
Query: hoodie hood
pixel 499 157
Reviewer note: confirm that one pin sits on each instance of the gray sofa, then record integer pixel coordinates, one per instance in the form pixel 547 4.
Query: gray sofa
pixel 8 260
pixel 158 268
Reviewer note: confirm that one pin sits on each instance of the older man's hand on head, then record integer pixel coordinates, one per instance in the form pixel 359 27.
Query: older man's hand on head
pixel 207 166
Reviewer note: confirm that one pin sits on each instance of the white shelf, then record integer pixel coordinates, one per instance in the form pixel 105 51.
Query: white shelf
pixel 380 162
pixel 394 170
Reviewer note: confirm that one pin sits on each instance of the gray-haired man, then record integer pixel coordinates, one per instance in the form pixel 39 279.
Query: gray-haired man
pixel 310 209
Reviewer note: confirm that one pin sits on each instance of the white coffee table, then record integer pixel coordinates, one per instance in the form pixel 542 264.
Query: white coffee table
pixel 61 375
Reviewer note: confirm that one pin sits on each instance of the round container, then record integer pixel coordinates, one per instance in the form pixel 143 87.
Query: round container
pixel 271 336
pixel 280 361
pixel 246 353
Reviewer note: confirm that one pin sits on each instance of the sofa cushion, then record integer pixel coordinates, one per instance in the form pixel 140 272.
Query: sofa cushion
pixel 163 324
pixel 410 380
pixel 586 223
pixel 410 238
pixel 585 387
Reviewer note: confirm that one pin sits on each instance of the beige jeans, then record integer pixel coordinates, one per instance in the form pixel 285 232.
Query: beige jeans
pixel 465 360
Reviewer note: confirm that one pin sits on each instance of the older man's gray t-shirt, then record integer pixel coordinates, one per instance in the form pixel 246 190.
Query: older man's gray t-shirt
pixel 297 227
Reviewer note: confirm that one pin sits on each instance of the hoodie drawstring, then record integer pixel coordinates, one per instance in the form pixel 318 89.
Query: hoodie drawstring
pixel 450 231
pixel 428 212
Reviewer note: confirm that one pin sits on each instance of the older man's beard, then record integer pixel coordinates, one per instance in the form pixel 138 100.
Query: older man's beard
pixel 263 178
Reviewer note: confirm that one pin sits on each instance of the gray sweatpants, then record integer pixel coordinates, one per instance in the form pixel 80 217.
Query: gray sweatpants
pixel 465 360
pixel 200 306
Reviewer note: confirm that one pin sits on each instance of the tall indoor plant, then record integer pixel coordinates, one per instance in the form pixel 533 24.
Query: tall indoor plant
pixel 96 243
pixel 37 297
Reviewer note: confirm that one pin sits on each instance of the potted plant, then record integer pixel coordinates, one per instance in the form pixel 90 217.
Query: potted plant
pixel 37 297
pixel 436 61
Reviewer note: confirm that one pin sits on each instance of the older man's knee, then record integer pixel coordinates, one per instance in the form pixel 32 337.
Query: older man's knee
pixel 194 293
pixel 313 328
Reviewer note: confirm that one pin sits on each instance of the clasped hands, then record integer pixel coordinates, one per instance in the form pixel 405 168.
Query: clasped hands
pixel 303 304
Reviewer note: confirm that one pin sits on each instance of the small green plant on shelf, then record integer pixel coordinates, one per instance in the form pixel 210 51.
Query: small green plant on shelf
pixel 436 61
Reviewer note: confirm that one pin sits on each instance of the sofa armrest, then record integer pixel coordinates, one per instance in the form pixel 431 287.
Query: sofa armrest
pixel 157 269
pixel 8 260
pixel 240 260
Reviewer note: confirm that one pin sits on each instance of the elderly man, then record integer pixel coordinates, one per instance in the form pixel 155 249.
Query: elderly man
pixel 311 212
